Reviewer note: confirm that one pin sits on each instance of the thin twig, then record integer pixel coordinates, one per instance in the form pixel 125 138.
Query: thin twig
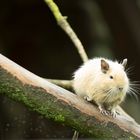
pixel 62 22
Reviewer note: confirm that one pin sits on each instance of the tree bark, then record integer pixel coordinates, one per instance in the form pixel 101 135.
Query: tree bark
pixel 60 105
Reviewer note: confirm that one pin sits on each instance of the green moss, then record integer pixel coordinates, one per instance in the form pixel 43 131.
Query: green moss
pixel 59 118
pixel 132 138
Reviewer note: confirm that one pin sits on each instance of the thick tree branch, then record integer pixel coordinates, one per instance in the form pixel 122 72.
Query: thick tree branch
pixel 61 105
pixel 62 22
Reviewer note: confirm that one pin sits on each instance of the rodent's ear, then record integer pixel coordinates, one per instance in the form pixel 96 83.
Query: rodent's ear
pixel 104 66
pixel 124 63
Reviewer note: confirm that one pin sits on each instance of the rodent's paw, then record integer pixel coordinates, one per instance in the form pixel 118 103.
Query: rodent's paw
pixel 103 111
pixel 114 113
pixel 87 98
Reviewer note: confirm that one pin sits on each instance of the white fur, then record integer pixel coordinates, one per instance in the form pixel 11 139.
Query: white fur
pixel 89 81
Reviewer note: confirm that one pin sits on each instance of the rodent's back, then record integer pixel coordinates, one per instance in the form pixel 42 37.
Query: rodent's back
pixel 86 75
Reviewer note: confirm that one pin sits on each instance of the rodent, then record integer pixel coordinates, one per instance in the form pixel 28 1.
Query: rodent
pixel 104 82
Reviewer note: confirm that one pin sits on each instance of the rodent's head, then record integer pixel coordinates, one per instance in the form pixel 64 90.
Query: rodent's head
pixel 114 77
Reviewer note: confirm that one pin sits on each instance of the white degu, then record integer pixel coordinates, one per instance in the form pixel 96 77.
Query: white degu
pixel 103 82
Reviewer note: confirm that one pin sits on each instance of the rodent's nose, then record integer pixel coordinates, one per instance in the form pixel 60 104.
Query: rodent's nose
pixel 120 88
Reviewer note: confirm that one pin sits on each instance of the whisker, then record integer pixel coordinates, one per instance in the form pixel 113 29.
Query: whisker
pixel 133 92
pixel 133 89
pixel 134 86
pixel 129 70
pixel 134 82
pixel 109 94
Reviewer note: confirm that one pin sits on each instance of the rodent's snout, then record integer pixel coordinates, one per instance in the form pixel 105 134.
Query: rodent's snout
pixel 120 88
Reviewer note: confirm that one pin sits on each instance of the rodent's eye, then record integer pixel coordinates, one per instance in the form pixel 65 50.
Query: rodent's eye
pixel 111 77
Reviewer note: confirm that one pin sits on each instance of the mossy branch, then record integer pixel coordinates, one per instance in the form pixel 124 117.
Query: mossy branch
pixel 60 105
pixel 62 22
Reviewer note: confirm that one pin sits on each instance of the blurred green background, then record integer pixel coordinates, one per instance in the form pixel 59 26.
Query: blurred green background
pixel 30 36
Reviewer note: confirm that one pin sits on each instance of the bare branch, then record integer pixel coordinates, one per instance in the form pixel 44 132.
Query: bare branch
pixel 62 22
pixel 67 84
pixel 61 105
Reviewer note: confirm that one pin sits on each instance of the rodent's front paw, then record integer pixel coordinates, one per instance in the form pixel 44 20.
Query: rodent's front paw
pixel 87 98
pixel 114 113
pixel 103 111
